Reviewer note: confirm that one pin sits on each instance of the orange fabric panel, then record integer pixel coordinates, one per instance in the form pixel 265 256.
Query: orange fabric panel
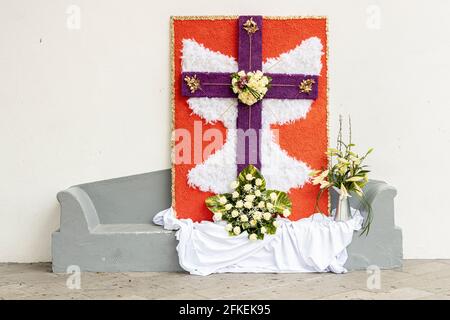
pixel 305 139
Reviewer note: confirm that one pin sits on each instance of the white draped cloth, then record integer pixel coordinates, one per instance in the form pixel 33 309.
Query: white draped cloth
pixel 314 244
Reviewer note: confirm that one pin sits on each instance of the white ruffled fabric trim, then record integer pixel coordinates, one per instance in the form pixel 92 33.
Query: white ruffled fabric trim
pixel 314 244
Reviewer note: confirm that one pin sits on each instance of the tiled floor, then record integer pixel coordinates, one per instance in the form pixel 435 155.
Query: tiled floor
pixel 418 279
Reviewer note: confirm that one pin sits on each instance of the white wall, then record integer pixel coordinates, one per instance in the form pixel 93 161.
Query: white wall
pixel 90 104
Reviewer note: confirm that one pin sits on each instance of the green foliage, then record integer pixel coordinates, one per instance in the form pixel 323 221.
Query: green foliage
pixel 250 207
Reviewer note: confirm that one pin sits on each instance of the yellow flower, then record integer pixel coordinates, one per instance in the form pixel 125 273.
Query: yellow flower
pixel 325 184
pixel 343 169
pixel 354 179
pixel 343 160
pixel 317 180
pixel 344 192
pixel 313 173
pixel 324 173
pixel 358 189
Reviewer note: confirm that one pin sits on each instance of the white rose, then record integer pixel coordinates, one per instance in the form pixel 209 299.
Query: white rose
pixel 267 215
pixel 241 73
pixel 228 206
pixel 249 176
pixel 273 196
pixel 217 216
pixel 236 230
pixel 234 184
pixel 258 193
pixel 253 237
pixel 247 98
pixel 248 204
pixel 261 204
pixel 258 182
pixel 253 223
pixel 257 215
pixel 263 230
pixel 239 204
pixel 244 218
pixel 265 81
pixel 247 187
pixel 222 200
pixel 286 213
pixel 235 194
pixel 250 197
pixel 229 227
pixel 269 205
pixel 275 224
pixel 234 213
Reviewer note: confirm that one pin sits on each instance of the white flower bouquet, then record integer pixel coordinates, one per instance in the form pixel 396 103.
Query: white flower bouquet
pixel 250 207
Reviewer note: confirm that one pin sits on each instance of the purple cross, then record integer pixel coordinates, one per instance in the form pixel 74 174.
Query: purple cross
pixel 218 85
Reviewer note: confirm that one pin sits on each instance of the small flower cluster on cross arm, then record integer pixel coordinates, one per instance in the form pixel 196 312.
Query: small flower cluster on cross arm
pixel 250 87
pixel 250 207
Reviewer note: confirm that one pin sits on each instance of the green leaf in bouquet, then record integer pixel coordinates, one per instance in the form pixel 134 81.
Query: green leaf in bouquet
pixel 250 169
pixel 282 201
pixel 214 204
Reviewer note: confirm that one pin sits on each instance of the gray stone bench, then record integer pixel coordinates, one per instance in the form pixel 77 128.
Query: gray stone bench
pixel 107 226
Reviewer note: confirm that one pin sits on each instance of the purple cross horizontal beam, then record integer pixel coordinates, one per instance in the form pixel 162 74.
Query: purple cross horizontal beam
pixel 218 85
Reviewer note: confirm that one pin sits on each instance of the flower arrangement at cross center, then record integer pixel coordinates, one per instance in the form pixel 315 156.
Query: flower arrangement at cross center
pixel 250 207
pixel 250 87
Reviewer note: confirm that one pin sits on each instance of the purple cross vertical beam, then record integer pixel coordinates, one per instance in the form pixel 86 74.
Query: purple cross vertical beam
pixel 249 117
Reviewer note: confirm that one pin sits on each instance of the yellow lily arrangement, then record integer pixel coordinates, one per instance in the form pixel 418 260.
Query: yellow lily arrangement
pixel 346 172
